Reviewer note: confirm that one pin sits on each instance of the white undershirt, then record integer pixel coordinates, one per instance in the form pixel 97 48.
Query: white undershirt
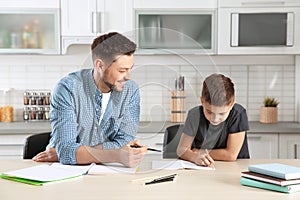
pixel 105 99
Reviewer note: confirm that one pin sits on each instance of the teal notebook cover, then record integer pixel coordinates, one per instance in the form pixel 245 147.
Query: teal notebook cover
pixel 269 186
pixel 277 170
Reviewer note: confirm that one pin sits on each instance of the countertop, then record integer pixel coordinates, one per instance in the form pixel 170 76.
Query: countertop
pixel 145 127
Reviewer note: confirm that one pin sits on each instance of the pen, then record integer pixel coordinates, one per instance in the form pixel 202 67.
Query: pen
pixel 149 149
pixel 211 164
pixel 162 179
pixel 87 171
pixel 159 181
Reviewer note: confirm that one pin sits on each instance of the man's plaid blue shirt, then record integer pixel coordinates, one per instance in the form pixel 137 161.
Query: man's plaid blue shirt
pixel 74 120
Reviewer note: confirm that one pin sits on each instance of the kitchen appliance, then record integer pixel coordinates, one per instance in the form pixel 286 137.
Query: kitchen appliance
pixel 259 27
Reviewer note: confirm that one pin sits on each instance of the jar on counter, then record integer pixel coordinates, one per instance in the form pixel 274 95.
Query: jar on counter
pixel 40 98
pixel 26 113
pixel 47 98
pixel 33 113
pixel 40 113
pixel 33 98
pixel 26 98
pixel 46 113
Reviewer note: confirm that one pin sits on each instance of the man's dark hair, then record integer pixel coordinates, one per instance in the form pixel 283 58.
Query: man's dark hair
pixel 108 46
pixel 218 90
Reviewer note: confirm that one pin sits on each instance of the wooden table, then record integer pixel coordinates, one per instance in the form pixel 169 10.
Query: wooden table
pixel 221 184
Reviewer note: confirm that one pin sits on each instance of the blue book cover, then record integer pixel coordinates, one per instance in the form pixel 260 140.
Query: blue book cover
pixel 277 170
pixel 269 186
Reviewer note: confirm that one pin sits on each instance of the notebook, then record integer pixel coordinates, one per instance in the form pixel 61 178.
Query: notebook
pixel 269 186
pixel 277 170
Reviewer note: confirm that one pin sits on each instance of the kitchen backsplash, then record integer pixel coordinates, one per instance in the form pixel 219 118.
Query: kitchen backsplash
pixel 254 77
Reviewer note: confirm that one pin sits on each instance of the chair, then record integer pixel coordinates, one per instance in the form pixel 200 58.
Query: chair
pixel 171 140
pixel 35 144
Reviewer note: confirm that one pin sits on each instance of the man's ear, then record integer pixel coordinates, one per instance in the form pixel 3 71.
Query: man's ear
pixel 98 63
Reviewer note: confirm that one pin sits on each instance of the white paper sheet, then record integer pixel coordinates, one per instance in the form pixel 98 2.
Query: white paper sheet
pixel 177 164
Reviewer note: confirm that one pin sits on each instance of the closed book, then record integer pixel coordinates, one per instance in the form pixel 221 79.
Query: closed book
pixel 269 186
pixel 269 179
pixel 277 170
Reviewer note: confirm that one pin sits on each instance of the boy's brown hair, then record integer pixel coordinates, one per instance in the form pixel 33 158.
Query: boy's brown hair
pixel 218 90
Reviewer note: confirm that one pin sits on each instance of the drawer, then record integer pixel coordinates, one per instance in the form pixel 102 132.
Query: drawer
pixel 12 139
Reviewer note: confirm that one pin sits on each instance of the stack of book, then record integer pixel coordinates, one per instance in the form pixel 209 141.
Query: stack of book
pixel 272 176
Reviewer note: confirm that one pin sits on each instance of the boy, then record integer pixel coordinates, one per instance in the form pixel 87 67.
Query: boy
pixel 219 125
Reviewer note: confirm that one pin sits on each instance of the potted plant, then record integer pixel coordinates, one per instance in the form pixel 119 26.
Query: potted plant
pixel 269 112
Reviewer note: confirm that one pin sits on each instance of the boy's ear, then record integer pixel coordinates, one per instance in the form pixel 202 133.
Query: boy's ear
pixel 201 100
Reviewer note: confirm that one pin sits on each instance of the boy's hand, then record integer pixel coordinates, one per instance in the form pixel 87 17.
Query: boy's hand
pixel 203 158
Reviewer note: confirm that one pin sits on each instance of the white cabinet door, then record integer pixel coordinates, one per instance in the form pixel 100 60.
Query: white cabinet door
pixel 12 145
pixel 263 145
pixel 77 17
pixel 81 21
pixel 152 140
pixel 289 145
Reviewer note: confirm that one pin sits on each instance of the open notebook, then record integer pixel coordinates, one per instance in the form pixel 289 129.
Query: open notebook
pixel 177 164
pixel 42 174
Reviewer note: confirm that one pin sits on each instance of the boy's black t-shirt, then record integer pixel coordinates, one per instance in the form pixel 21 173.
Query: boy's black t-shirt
pixel 208 136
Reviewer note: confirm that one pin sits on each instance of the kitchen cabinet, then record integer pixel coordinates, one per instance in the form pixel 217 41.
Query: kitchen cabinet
pixel 82 21
pixel 12 145
pixel 263 145
pixel 175 27
pixel 289 145
pixel 29 30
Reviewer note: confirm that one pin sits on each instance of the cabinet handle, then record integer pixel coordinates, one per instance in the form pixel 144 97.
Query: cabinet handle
pixel 254 137
pixel 295 151
pixel 97 22
pixel 263 3
pixel 159 143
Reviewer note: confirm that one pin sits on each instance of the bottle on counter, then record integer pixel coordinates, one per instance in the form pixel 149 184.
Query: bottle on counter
pixel 47 98
pixel 41 98
pixel 26 98
pixel 33 113
pixel 46 113
pixel 26 113
pixel 40 113
pixel 33 98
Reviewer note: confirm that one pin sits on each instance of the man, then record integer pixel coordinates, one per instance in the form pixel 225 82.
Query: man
pixel 94 113
pixel 219 125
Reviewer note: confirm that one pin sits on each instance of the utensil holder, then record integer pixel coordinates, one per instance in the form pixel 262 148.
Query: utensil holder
pixel 178 110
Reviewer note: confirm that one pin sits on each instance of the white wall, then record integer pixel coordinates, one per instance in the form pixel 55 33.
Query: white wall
pixel 254 76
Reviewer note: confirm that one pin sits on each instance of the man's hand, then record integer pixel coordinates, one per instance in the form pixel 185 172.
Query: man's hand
pixel 49 155
pixel 131 157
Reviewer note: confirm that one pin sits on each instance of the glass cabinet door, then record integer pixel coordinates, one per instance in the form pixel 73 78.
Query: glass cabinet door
pixel 190 32
pixel 30 31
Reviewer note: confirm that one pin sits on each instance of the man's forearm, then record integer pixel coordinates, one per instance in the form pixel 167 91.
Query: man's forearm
pixel 86 155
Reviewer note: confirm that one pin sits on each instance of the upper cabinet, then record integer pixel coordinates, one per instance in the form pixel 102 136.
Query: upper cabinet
pixel 175 27
pixel 82 21
pixel 29 27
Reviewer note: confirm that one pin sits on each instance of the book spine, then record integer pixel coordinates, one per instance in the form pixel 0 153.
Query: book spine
pixel 267 186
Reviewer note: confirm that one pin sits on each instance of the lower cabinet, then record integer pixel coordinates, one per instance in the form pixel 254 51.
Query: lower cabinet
pixel 152 140
pixel 263 145
pixel 11 146
pixel 289 145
